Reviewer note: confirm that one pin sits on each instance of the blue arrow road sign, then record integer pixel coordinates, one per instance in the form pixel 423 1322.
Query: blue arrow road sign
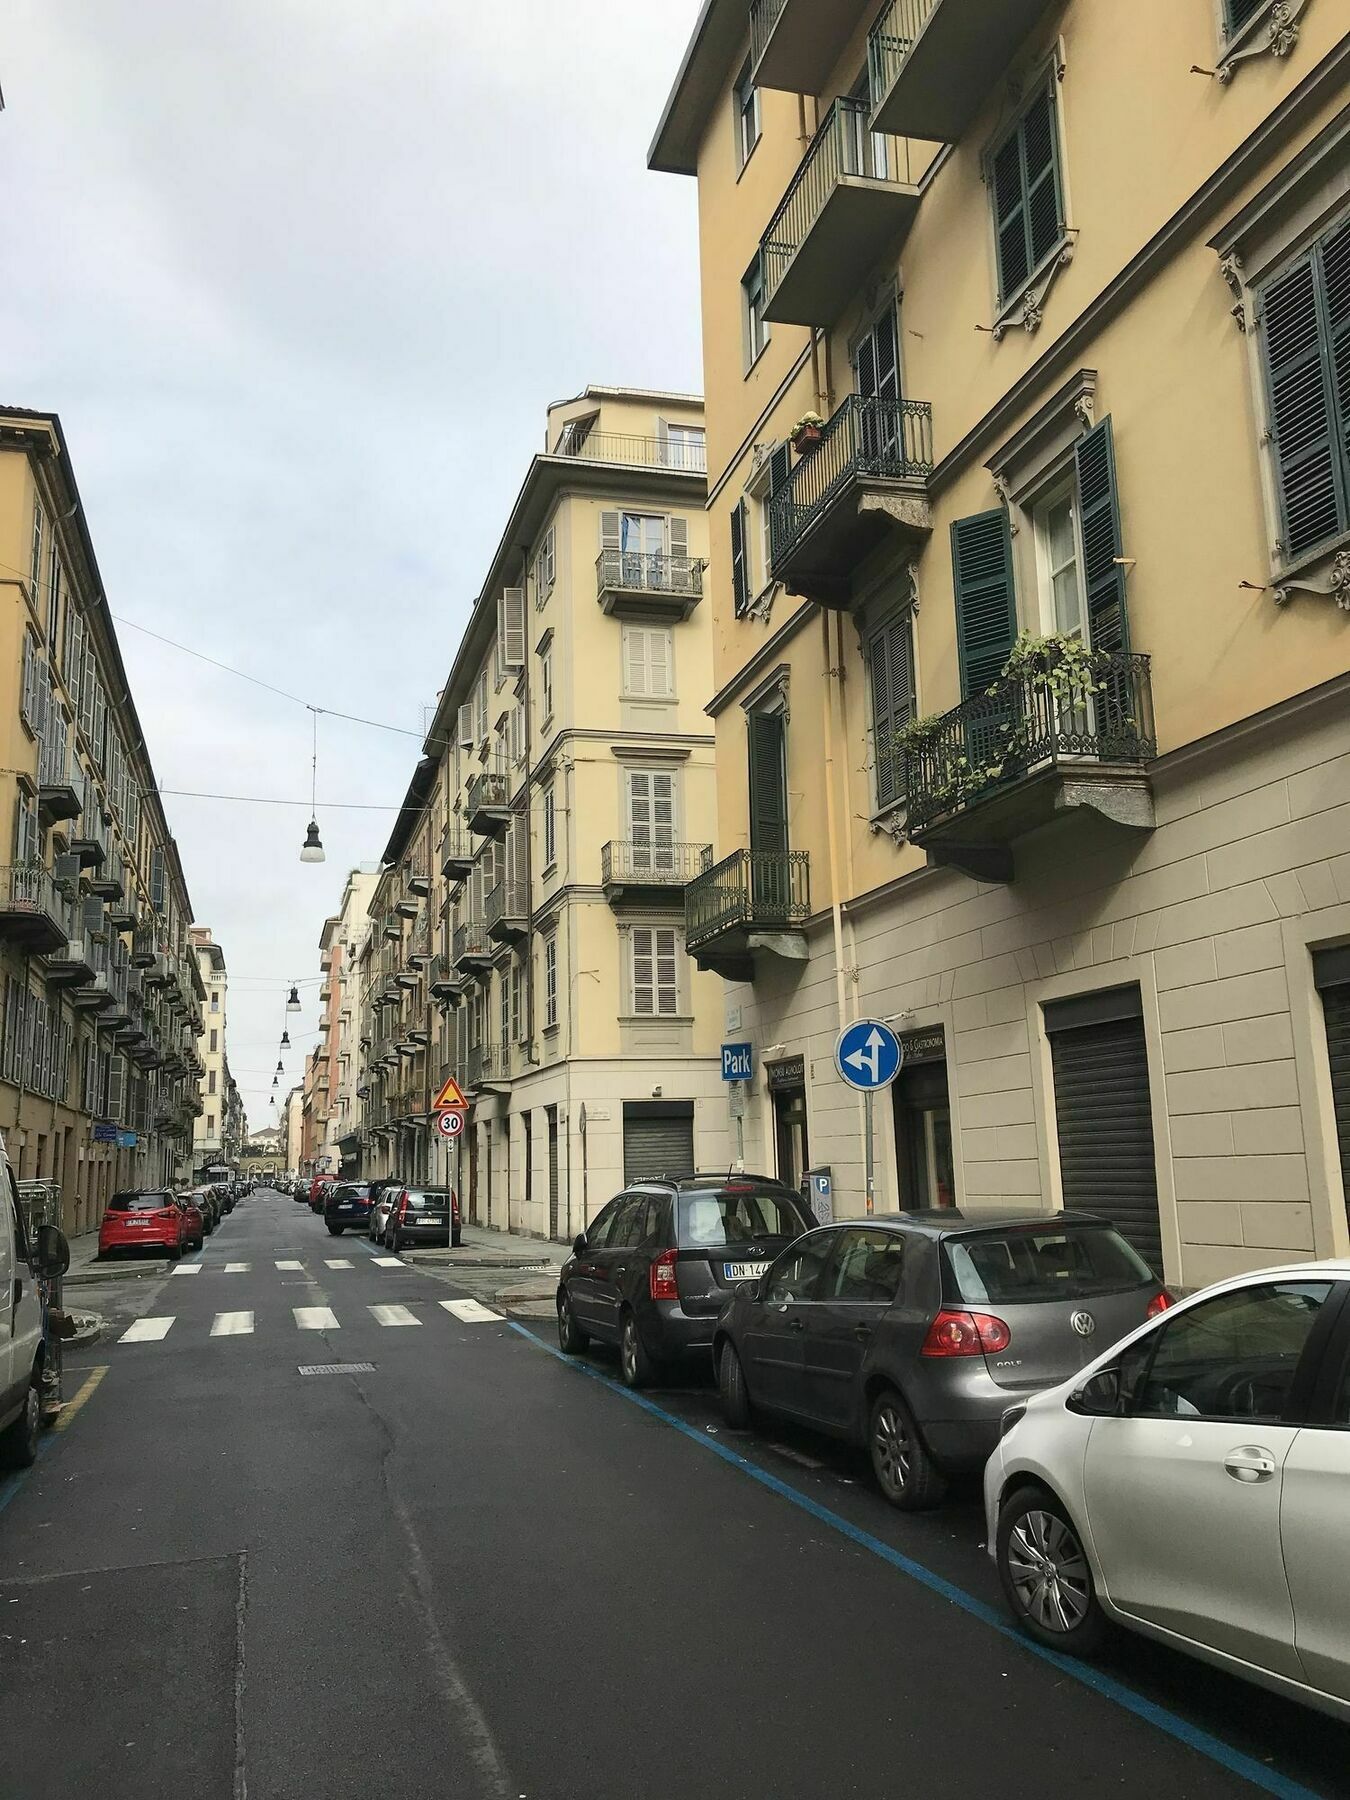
pixel 868 1055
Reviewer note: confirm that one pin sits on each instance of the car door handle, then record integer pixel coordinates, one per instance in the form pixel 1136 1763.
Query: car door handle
pixel 1250 1464
pixel 796 1324
pixel 862 1332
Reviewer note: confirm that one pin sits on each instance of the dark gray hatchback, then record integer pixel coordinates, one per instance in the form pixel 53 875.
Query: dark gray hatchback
pixel 652 1272
pixel 912 1333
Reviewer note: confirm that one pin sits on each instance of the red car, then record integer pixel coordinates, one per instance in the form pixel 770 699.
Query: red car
pixel 317 1189
pixel 144 1218
pixel 194 1220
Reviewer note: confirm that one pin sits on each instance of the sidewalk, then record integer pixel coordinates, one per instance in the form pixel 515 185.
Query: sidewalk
pixel 86 1269
pixel 502 1268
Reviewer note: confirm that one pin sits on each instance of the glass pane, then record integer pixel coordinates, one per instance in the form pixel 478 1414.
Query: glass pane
pixel 1235 1356
pixel 794 1277
pixel 867 1268
pixel 738 1217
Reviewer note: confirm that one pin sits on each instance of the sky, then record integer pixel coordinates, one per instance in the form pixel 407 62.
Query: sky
pixel 300 278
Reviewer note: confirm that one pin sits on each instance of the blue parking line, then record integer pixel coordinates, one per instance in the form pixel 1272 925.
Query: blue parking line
pixel 1270 1781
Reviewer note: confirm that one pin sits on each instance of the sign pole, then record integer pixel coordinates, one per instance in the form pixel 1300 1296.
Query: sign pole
pixel 870 1165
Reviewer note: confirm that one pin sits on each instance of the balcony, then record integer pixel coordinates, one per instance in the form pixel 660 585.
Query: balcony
pixel 794 44
pixel 655 873
pixel 407 906
pixel 159 972
pixel 753 900
pixel 507 912
pixel 490 803
pixel 392 927
pixel 72 962
pixel 109 882
pixel 122 914
pixel 648 585
pixel 90 842
pixel 458 851
pixel 417 875
pixel 577 439
pixel 144 947
pixel 852 196
pixel 32 913
pixel 932 64
pixel 58 796
pixel 473 948
pixel 447 985
pixel 1007 761
pixel 867 476
pixel 419 946
pixel 95 993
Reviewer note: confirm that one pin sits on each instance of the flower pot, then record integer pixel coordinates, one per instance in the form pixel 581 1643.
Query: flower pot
pixel 805 440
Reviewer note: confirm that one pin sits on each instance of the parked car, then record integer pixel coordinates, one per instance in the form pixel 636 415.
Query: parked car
pixel 205 1198
pixel 300 1191
pixel 653 1271
pixel 912 1333
pixel 316 1191
pixel 196 1223
pixel 23 1346
pixel 422 1215
pixel 346 1203
pixel 143 1219
pixel 224 1192
pixel 1193 1484
pixel 382 1197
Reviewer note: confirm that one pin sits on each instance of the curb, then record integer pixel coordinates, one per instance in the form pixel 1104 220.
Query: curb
pixel 127 1271
pixel 89 1328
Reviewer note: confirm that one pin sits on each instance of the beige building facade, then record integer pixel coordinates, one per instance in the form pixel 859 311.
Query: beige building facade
pixel 1029 508
pixel 215 1133
pixel 343 939
pixel 527 929
pixel 102 998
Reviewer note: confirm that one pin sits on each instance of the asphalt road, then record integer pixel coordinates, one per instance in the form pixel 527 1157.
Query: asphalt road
pixel 475 1570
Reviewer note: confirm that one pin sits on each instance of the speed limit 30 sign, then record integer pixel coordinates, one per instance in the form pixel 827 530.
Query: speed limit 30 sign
pixel 450 1124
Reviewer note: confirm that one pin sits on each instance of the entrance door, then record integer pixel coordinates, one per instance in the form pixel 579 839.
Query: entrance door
pixel 1103 1109
pixel 551 1114
pixel 790 1137
pixel 1331 972
pixel 876 374
pixel 767 739
pixel 923 1137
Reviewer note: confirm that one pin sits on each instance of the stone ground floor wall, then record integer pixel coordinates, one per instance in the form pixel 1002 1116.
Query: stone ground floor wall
pixel 1215 915
pixel 51 1142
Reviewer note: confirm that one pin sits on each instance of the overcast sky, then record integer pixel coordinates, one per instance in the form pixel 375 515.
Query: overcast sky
pixel 300 278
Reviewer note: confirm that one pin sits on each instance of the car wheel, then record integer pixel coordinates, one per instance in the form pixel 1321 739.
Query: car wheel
pixel 19 1441
pixel 1046 1576
pixel 198 1244
pixel 335 1230
pixel 636 1367
pixel 173 1251
pixel 905 1472
pixel 456 1240
pixel 572 1339
pixel 731 1386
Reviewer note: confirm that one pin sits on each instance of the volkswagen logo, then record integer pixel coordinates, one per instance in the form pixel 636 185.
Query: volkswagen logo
pixel 1083 1323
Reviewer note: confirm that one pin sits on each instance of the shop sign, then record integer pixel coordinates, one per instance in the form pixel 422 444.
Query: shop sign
pixel 791 1073
pixel 925 1046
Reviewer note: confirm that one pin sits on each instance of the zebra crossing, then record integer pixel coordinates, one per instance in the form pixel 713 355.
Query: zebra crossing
pixel 313 1318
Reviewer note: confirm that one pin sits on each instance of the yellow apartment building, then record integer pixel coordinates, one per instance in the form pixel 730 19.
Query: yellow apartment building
pixel 1027 366
pixel 210 1138
pixel 102 997
pixel 528 926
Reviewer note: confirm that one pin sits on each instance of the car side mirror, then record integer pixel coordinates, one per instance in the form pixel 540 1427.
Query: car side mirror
pixel 1100 1396
pixel 53 1252
pixel 579 1243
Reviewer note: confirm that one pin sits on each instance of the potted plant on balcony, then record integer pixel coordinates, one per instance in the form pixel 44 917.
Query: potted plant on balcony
pixel 807 433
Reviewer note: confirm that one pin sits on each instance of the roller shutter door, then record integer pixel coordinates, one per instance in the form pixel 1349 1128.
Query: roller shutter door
pixel 1332 972
pixel 1105 1124
pixel 658 1139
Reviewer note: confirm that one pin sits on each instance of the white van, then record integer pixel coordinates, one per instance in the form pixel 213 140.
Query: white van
pixel 22 1337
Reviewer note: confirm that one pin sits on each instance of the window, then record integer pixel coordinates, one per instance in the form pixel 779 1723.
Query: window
pixel 504 1019
pixel 655 971
pixel 35 566
pixel 210 1124
pixel 1028 201
pixel 599 1230
pixel 546 682
pixel 30 701
pixel 545 568
pixel 1237 14
pixel 1304 317
pixel 651 820
pixel 746 103
pixel 211 1082
pixel 214 1037
pixel 517 1002
pixel 550 828
pixel 481 707
pixel 1058 564
pixel 27 832
pixel 794 1276
pixel 866 1268
pixel 550 982
pixel 54 585
pixel 758 561
pixel 648 656
pixel 890 665
pixel 740 577
pixel 215 999
pixel 686 447
pixel 756 326
pixel 1233 1357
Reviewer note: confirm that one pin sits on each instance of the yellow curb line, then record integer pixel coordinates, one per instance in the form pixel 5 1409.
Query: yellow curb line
pixel 69 1410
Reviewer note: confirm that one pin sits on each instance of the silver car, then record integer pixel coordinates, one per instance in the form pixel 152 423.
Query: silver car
pixel 382 1197
pixel 1193 1483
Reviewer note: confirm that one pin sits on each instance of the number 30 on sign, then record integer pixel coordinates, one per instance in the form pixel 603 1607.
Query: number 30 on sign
pixel 450 1124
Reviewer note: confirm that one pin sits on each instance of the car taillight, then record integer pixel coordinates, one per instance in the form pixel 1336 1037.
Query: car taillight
pixel 167 1212
pixel 1159 1304
pixel 661 1277
pixel 955 1333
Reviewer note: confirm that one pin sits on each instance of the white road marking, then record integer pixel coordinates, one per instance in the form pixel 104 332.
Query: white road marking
pixel 337 1262
pixel 389 1262
pixel 394 1315
pixel 290 1265
pixel 472 1312
pixel 237 1268
pixel 232 1324
pixel 188 1269
pixel 315 1318
pixel 146 1331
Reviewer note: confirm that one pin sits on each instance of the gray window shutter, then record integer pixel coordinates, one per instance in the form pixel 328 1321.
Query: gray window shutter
pixel 464 731
pixel 609 531
pixel 986 604
pixel 740 582
pixel 511 627
pixel 1099 521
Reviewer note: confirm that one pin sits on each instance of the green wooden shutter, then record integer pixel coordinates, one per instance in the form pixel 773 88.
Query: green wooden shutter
pixel 1295 335
pixel 986 602
pixel 740 584
pixel 767 741
pixel 1239 11
pixel 890 658
pixel 1335 259
pixel 1010 216
pixel 1027 194
pixel 1099 522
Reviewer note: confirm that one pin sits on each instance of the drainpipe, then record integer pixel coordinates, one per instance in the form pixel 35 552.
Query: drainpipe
pixel 831 819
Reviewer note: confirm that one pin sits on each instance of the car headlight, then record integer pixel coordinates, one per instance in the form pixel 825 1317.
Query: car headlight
pixel 1009 1419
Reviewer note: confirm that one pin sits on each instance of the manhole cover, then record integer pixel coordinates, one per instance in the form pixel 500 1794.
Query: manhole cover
pixel 337 1369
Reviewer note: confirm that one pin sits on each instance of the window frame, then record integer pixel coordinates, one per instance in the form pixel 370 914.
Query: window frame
pixel 895 618
pixel 631 630
pixel 654 955
pixel 551 982
pixel 549 811
pixel 1045 80
pixel 745 101
pixel 756 330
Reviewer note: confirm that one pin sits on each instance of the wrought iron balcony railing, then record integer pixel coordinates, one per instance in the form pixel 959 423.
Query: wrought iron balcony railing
pixel 506 910
pixel 890 41
pixel 458 851
pixel 649 572
pixel 472 944
pixel 31 909
pixel 650 865
pixel 751 890
pixel 931 67
pixel 1022 725
pixel 865 438
pixel 678 450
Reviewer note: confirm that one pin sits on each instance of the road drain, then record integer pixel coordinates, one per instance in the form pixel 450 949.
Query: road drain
pixel 336 1369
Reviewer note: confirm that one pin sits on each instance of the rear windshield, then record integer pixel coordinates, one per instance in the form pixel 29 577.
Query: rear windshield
pixel 427 1200
pixel 350 1192
pixel 146 1202
pixel 1002 1268
pixel 736 1216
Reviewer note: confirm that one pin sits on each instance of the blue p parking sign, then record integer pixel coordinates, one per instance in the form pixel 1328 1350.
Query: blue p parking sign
pixel 738 1062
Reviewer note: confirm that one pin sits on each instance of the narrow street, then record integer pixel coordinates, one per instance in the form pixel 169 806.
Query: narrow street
pixel 466 1568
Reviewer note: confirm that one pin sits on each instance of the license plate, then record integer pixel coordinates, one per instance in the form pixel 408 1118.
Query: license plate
pixel 431 1221
pixel 743 1271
